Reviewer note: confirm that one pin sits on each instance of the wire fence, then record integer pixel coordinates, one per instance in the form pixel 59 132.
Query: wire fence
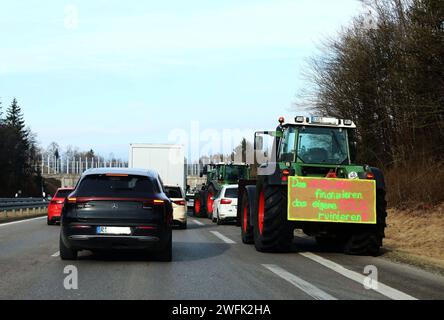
pixel 76 166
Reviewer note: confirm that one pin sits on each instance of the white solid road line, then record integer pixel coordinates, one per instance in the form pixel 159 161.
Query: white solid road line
pixel 303 285
pixel 222 237
pixel 382 288
pixel 21 221
pixel 57 254
pixel 198 223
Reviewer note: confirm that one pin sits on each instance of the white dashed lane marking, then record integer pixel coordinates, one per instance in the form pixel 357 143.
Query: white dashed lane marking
pixel 301 284
pixel 222 237
pixel 198 223
pixel 55 255
pixel 21 221
pixel 382 288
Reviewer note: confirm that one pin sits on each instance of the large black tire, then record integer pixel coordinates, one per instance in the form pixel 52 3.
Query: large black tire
pixel 65 252
pixel 246 228
pixel 276 233
pixel 203 204
pixel 219 222
pixel 210 192
pixel 368 240
pixel 197 208
pixel 330 244
pixel 166 255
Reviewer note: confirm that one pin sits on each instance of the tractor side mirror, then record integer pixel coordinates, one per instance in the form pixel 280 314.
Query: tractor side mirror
pixel 204 171
pixel 353 151
pixel 259 143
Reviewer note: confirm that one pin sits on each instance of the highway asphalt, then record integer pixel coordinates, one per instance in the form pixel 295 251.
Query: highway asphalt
pixel 209 262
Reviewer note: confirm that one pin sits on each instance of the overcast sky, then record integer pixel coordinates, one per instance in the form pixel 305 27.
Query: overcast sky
pixel 102 74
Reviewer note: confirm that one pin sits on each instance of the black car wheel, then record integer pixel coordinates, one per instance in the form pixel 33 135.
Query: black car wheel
pixel 167 254
pixel 65 252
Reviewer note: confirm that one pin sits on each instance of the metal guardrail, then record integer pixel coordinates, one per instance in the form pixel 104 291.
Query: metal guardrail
pixel 22 203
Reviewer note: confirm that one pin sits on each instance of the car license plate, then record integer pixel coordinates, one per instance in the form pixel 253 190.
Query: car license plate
pixel 114 230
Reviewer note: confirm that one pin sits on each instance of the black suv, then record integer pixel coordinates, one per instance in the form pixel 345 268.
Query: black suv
pixel 117 209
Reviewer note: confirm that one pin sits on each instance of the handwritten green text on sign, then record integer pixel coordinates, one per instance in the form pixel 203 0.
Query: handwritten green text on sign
pixel 332 200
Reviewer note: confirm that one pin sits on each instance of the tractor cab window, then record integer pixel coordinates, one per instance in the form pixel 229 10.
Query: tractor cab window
pixel 287 149
pixel 233 173
pixel 323 145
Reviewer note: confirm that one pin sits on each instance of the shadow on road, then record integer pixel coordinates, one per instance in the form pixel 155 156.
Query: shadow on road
pixel 193 226
pixel 192 251
pixel 308 244
pixel 182 251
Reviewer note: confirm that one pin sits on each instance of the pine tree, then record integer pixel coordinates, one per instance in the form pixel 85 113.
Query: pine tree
pixel 14 116
pixel 1 114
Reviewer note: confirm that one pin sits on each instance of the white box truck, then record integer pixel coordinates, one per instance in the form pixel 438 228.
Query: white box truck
pixel 168 160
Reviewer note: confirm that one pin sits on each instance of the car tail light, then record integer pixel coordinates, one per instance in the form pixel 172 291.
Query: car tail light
pixel 285 174
pixel 180 202
pixel 72 200
pixel 145 228
pixel 370 176
pixel 147 204
pixel 226 201
pixel 80 227
pixel 331 175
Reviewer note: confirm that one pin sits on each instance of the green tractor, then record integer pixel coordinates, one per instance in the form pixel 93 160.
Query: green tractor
pixel 312 183
pixel 218 175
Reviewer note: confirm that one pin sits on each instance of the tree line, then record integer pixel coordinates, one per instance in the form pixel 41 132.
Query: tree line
pixel 21 156
pixel 385 71
pixel 18 151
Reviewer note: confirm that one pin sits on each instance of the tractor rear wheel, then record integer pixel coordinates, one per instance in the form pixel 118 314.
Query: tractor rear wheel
pixel 203 194
pixel 272 230
pixel 247 229
pixel 368 240
pixel 211 194
pixel 197 205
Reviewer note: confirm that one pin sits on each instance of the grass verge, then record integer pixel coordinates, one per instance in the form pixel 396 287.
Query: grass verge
pixel 416 237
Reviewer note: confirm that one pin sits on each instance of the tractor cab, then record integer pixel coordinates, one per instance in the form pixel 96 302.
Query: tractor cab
pixel 317 140
pixel 313 146
pixel 226 173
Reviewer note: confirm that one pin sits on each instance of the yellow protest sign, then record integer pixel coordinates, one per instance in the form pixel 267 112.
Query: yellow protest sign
pixel 331 200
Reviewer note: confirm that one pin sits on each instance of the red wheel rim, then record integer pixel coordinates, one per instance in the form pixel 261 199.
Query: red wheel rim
pixel 261 211
pixel 210 202
pixel 197 206
pixel 245 219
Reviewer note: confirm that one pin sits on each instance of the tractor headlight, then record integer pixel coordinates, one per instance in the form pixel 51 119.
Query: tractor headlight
pixel 299 119
pixel 353 175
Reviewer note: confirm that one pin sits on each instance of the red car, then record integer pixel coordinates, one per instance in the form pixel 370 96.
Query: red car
pixel 56 205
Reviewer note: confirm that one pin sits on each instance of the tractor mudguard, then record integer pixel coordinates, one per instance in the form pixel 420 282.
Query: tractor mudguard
pixel 242 184
pixel 251 192
pixel 216 186
pixel 275 178
pixel 379 178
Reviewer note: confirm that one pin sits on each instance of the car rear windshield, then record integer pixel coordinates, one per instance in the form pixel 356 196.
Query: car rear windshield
pixel 130 186
pixel 231 193
pixel 62 193
pixel 173 192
